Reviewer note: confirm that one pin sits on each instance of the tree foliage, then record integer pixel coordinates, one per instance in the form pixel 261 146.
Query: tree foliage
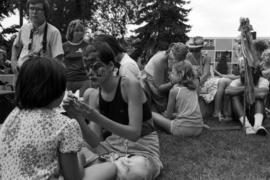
pixel 64 11
pixel 112 16
pixel 7 7
pixel 165 22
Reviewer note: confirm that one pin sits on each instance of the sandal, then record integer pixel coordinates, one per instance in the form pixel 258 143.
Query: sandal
pixel 219 116
pixel 227 118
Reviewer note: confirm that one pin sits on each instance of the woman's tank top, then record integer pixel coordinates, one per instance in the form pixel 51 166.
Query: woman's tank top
pixel 117 109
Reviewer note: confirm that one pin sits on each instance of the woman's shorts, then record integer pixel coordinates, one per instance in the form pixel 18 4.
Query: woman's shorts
pixel 182 128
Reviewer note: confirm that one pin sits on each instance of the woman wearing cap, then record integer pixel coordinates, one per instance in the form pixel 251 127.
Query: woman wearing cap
pixel 210 88
pixel 156 78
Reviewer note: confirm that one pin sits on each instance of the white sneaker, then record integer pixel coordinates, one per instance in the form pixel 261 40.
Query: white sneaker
pixel 260 130
pixel 250 130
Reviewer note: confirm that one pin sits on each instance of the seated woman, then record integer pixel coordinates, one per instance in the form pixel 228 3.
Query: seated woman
pixel 210 88
pixel 35 140
pixel 265 68
pixel 183 106
pixel 156 75
pixel 120 106
pixel 265 64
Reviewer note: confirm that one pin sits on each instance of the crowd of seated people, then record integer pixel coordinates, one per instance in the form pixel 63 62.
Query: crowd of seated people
pixel 39 142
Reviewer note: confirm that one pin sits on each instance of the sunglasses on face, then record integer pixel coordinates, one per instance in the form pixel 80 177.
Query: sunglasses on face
pixel 95 66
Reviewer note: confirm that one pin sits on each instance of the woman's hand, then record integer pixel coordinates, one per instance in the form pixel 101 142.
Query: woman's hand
pixel 86 111
pixel 70 106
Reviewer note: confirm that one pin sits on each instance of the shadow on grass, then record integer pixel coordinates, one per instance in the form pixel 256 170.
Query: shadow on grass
pixel 227 154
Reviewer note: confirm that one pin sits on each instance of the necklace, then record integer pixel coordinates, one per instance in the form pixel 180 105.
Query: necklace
pixel 75 44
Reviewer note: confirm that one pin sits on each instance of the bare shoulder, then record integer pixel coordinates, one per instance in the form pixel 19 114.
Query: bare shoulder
pixel 90 94
pixel 131 88
pixel 174 91
pixel 162 56
pixel 90 91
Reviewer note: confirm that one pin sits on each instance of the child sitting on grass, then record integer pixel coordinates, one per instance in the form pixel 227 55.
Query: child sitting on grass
pixel 183 116
pixel 35 140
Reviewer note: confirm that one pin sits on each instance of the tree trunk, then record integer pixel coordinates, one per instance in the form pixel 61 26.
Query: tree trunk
pixel 21 13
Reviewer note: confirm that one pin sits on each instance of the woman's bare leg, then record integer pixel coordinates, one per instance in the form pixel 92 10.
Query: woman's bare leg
pixel 222 84
pixel 161 121
pixel 103 171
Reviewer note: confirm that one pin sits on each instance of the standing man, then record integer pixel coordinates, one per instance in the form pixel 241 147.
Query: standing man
pixel 37 38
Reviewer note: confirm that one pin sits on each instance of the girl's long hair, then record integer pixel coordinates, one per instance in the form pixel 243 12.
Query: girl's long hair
pixel 188 78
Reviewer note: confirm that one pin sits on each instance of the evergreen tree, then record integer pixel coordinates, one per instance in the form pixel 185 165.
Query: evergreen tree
pixel 165 22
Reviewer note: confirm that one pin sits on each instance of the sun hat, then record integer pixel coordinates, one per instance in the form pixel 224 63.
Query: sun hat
pixel 196 42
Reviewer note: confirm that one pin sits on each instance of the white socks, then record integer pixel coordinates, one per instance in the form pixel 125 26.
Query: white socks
pixel 247 123
pixel 257 128
pixel 258 118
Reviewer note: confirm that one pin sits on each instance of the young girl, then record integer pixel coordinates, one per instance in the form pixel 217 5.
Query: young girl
pixel 183 116
pixel 77 78
pixel 119 106
pixel 35 140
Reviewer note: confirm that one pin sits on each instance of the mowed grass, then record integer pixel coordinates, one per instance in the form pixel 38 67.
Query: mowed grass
pixel 215 155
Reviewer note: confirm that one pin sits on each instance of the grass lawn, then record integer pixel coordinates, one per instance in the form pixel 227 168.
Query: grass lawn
pixel 215 154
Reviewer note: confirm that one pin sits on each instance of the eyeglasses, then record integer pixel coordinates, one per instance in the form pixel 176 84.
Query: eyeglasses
pixel 37 9
pixel 92 65
pixel 95 66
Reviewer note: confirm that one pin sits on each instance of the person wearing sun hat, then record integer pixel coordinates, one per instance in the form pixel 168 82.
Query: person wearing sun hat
pixel 210 88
